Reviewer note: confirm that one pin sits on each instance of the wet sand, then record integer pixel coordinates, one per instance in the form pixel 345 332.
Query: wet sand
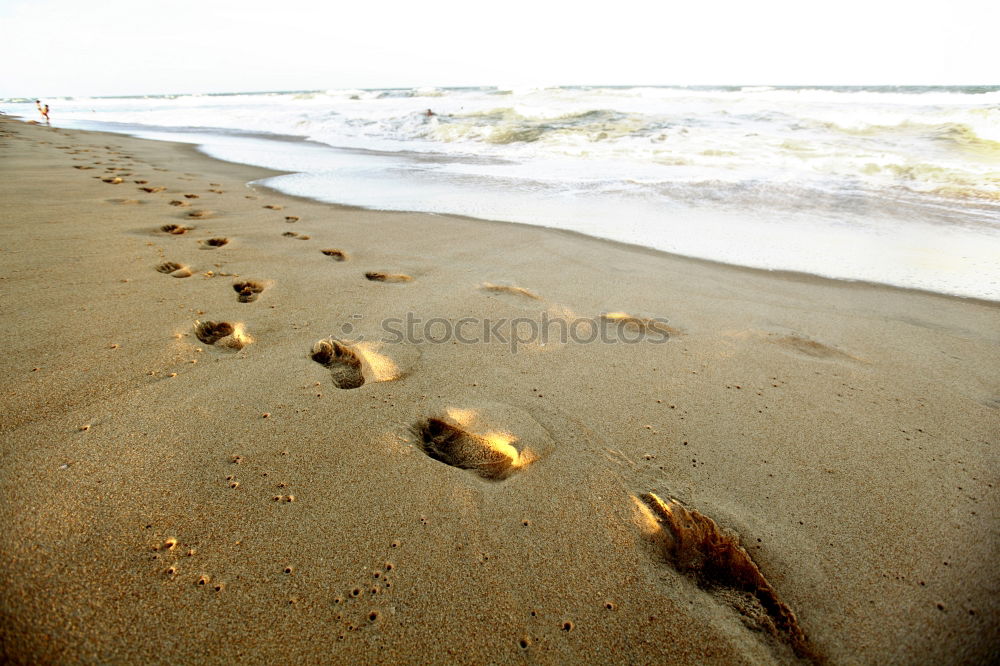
pixel 213 449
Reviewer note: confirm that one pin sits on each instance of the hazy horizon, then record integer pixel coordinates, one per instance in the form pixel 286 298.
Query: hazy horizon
pixel 67 49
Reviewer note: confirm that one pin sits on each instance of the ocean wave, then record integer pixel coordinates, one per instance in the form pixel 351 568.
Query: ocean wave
pixel 942 142
pixel 966 138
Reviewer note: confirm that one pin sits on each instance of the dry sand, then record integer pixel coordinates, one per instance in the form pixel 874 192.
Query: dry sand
pixel 169 500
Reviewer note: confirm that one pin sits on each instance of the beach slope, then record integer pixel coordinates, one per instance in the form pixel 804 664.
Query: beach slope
pixel 222 439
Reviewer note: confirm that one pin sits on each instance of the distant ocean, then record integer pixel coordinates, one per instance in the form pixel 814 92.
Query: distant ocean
pixel 897 185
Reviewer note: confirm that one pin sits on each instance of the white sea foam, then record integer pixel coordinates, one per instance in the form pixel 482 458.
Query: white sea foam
pixel 893 185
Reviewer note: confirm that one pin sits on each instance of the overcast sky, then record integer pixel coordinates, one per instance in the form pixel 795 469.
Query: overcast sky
pixel 74 47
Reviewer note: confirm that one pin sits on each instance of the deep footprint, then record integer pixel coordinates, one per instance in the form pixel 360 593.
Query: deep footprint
pixel 344 364
pixel 215 242
pixel 223 333
pixel 247 292
pixel 444 442
pixel 697 547
pixel 175 229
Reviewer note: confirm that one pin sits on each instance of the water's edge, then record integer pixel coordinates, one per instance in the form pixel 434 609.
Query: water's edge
pixel 199 141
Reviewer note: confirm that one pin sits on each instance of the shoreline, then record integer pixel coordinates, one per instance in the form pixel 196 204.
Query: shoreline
pixel 799 276
pixel 197 147
pixel 844 432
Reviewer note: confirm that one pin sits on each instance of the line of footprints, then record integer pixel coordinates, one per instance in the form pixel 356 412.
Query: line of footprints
pixel 350 366
pixel 692 542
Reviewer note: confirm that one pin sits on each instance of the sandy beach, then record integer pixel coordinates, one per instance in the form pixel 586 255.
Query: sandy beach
pixel 214 448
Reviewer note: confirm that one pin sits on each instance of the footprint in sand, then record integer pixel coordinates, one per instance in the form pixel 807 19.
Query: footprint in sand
pixel 519 293
pixel 343 362
pixel 810 348
pixel 354 364
pixel 82 167
pixel 292 234
pixel 191 196
pixel 213 243
pixel 292 218
pixel 248 290
pixel 697 547
pixel 200 214
pixel 177 202
pixel 336 255
pixel 387 277
pixel 222 334
pixel 124 201
pixel 217 191
pixel 174 269
pixel 640 324
pixel 175 229
pixel 494 456
pixel 151 190
pixel 273 207
pixel 113 181
pixel 140 182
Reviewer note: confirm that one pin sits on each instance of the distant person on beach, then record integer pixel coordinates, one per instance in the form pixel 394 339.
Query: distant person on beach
pixel 38 105
pixel 429 113
pixel 45 114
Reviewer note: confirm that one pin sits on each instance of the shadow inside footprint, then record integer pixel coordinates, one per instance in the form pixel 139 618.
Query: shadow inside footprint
pixel 225 334
pixel 337 255
pixel 211 332
pixel 344 364
pixel 216 242
pixel 387 277
pixel 174 269
pixel 175 229
pixel 698 547
pixel 247 292
pixel 455 446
